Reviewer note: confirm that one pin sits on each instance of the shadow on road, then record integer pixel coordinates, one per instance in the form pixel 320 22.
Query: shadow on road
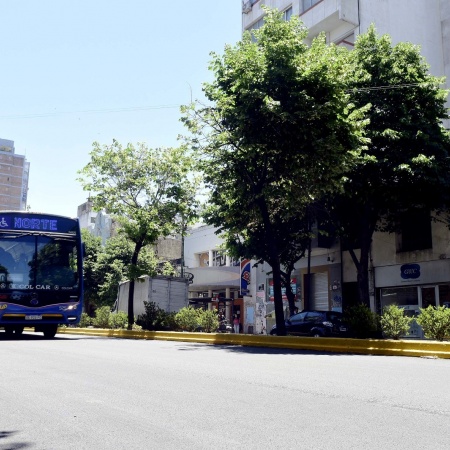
pixel 32 337
pixel 12 445
pixel 258 350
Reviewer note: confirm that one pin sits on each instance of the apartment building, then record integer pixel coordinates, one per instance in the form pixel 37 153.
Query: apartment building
pixel 14 173
pixel 412 267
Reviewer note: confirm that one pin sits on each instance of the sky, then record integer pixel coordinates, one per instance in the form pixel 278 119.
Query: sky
pixel 74 72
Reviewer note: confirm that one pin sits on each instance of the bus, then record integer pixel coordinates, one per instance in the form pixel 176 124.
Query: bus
pixel 41 272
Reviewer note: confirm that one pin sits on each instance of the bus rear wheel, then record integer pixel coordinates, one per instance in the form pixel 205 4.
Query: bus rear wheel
pixel 50 331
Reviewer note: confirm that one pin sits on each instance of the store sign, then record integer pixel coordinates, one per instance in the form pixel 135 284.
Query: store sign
pixel 410 271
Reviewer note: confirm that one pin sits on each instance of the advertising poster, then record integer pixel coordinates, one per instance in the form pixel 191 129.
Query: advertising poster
pixel 245 276
pixel 283 289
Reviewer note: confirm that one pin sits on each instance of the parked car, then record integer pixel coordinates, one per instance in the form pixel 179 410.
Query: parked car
pixel 315 324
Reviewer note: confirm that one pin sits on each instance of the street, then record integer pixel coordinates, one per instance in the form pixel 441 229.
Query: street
pixel 81 392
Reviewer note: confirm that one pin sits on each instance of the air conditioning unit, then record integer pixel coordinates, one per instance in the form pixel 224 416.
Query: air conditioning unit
pixel 246 7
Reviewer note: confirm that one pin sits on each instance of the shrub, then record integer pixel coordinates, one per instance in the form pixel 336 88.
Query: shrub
pixel 155 318
pixel 362 321
pixel 101 319
pixel 435 322
pixel 394 323
pixel 85 320
pixel 209 321
pixel 187 319
pixel 118 320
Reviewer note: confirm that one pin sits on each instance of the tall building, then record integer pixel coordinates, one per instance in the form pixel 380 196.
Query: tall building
pixel 14 172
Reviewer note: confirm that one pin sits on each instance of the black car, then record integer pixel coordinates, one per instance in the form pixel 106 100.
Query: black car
pixel 315 324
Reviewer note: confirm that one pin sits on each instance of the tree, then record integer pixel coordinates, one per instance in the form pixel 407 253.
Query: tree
pixel 278 134
pixel 406 166
pixel 144 189
pixel 112 266
pixel 93 247
pixel 106 266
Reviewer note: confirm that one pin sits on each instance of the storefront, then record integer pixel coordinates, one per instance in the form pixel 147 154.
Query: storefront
pixel 413 286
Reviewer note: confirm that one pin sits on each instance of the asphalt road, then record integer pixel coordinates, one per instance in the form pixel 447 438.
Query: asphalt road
pixel 81 392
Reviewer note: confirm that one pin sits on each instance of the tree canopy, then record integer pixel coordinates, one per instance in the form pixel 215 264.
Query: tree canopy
pixel 406 163
pixel 148 192
pixel 279 134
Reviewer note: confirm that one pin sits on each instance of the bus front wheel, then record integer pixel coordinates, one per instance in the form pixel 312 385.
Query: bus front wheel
pixel 9 331
pixel 50 331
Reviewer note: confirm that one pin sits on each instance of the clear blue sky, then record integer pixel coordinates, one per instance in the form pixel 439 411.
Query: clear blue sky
pixel 78 71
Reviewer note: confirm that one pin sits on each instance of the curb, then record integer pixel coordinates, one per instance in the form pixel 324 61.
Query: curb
pixel 388 347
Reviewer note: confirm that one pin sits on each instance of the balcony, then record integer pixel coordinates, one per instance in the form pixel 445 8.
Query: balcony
pixel 334 17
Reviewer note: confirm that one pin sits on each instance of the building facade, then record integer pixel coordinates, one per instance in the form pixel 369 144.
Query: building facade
pixel 215 277
pixel 14 173
pixel 410 268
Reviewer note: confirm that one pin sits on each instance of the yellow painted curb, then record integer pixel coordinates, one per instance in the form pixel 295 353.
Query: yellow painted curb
pixel 338 345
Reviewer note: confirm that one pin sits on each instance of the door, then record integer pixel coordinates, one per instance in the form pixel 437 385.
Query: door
pixel 428 296
pixel 319 292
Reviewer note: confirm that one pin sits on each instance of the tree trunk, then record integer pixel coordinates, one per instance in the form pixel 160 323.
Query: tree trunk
pixel 134 259
pixel 274 261
pixel 286 281
pixel 362 265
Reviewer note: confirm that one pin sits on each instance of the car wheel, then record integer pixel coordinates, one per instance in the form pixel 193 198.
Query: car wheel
pixel 316 334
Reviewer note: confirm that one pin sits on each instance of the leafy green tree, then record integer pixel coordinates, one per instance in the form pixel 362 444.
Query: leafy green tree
pixel 362 321
pixel 155 318
pixel 118 320
pixel 112 263
pixel 209 320
pixel 101 319
pixel 394 323
pixel 435 322
pixel 93 247
pixel 406 165
pixel 144 190
pixel 279 133
pixel 188 318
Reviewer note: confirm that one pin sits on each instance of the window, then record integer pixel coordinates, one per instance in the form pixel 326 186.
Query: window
pixel 309 4
pixel 298 318
pixel 287 13
pixel 415 231
pixel 219 258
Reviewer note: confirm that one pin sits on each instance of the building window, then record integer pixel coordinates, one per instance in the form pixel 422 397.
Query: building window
pixel 348 41
pixel 219 258
pixel 258 24
pixel 415 231
pixel 309 4
pixel 287 13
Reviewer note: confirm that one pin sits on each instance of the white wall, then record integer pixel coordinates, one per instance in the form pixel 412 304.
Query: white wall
pixel 199 240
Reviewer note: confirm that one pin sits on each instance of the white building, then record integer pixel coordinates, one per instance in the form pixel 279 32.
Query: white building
pixel 99 224
pixel 14 173
pixel 216 278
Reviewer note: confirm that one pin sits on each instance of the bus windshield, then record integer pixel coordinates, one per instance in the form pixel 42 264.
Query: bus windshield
pixel 29 262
